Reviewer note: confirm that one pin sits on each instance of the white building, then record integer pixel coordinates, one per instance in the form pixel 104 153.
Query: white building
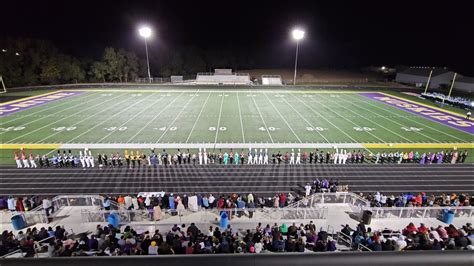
pixel 418 76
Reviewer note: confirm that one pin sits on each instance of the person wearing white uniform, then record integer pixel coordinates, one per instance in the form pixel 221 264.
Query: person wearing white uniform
pixel 18 161
pixel 298 157
pixel 265 157
pixel 81 159
pixel 32 161
pixel 255 157
pixel 249 157
pixel 292 156
pixel 205 156
pixel 260 157
pixel 91 159
pixel 336 156
pixel 87 161
pixel 307 189
pixel 344 157
pixel 200 156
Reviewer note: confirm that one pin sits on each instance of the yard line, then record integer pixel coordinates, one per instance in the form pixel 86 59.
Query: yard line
pixel 370 133
pixel 419 123
pixel 316 112
pixel 305 119
pixel 265 124
pixel 51 107
pixel 278 111
pixel 96 125
pixel 48 125
pixel 110 117
pixel 219 119
pixel 240 116
pixel 197 119
pixel 391 131
pixel 176 118
pixel 156 116
pixel 386 118
pixel 50 115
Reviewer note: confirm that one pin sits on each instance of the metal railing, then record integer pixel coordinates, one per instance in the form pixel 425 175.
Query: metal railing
pixel 356 202
pixel 38 246
pixel 345 238
pixel 61 201
pixel 419 212
pixel 361 247
pixel 205 215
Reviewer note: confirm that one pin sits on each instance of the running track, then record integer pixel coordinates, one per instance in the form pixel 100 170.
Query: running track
pixel 217 179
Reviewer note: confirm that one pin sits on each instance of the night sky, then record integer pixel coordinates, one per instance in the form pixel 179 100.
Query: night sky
pixel 339 34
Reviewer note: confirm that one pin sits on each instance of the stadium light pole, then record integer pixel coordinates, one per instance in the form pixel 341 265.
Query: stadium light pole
pixel 297 35
pixel 145 32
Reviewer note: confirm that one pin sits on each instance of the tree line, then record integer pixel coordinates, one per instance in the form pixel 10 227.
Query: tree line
pixel 28 62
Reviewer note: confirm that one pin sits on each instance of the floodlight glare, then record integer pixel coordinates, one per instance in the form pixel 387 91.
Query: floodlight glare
pixel 145 32
pixel 298 34
pixel 4 50
pixel 383 68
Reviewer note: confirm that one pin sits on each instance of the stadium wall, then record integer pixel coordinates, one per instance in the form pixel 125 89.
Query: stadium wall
pixel 389 258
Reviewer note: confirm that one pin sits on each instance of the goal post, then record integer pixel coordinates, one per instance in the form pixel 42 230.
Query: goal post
pixel 3 89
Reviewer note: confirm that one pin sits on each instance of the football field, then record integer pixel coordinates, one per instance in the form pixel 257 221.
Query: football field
pixel 215 117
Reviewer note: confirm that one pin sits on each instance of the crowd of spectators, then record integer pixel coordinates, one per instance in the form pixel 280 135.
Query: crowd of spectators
pixel 453 100
pixel 110 241
pixel 412 238
pixel 419 200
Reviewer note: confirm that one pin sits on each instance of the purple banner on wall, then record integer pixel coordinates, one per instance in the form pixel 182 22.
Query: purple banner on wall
pixel 429 113
pixel 7 109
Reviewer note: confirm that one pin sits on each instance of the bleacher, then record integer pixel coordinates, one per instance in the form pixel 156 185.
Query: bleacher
pixel 223 77
pixel 271 80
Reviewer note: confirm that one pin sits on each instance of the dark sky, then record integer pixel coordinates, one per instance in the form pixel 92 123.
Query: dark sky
pixel 339 33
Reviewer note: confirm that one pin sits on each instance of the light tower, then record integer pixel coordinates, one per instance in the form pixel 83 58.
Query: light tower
pixel 298 34
pixel 145 32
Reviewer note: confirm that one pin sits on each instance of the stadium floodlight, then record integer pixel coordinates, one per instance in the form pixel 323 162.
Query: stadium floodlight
pixel 145 32
pixel 297 35
pixel 4 50
pixel 17 54
pixel 383 68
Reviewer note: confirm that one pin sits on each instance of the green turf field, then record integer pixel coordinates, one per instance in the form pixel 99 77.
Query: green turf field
pixel 216 117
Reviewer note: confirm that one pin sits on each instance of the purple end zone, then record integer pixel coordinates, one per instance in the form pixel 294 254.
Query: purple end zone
pixel 21 105
pixel 432 114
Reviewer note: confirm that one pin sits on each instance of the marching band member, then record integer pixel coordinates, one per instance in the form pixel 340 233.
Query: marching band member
pixel 17 160
pixel 32 161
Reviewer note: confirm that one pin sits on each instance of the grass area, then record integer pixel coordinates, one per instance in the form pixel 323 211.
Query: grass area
pixel 220 117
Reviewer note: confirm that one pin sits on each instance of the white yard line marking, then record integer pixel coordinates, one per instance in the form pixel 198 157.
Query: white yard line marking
pixel 316 112
pixel 419 123
pixel 48 125
pixel 240 116
pixel 386 118
pixel 53 115
pixel 219 119
pixel 197 119
pixel 373 121
pixel 73 99
pixel 116 114
pixel 155 117
pixel 311 125
pixel 284 120
pixel 176 118
pixel 96 125
pixel 350 121
pixel 263 120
